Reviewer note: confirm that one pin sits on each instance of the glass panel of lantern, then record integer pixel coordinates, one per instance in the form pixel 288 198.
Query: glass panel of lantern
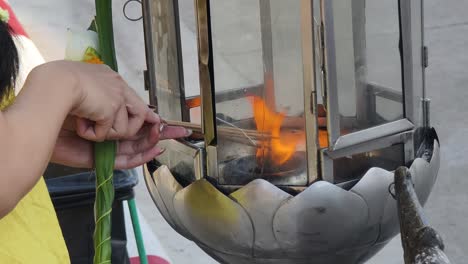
pixel 259 96
pixel 366 67
pixel 374 82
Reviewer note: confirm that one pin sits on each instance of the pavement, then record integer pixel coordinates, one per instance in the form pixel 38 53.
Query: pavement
pixel 446 82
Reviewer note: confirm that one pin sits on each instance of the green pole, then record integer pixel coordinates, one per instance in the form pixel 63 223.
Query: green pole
pixel 137 230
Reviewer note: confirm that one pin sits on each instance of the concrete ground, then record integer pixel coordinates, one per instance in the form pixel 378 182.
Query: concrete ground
pixel 447 77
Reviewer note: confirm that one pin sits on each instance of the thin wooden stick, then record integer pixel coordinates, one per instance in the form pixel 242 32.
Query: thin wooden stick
pixel 223 130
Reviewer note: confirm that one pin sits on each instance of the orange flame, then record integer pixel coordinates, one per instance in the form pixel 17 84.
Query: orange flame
pixel 280 147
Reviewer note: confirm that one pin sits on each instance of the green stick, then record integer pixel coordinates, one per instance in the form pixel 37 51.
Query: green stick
pixel 137 231
pixel 104 153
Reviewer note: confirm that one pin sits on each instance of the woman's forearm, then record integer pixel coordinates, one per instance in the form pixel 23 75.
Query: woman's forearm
pixel 28 132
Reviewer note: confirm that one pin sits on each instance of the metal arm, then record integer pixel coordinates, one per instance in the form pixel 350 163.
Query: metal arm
pixel 421 243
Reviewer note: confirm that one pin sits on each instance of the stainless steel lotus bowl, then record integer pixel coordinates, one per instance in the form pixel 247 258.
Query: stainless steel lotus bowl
pixel 260 223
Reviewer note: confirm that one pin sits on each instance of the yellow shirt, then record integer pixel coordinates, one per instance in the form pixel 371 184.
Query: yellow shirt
pixel 31 232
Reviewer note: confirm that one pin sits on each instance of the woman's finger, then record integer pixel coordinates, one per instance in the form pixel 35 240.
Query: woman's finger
pixel 151 117
pixel 69 123
pixel 136 120
pixel 131 161
pixel 101 129
pixel 73 151
pixel 172 132
pixel 143 132
pixel 144 143
pixel 86 129
pixel 139 112
pixel 120 126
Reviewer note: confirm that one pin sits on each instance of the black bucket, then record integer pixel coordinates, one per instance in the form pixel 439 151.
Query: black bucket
pixel 73 198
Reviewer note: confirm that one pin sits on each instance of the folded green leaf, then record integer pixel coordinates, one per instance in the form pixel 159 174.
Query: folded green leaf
pixel 104 153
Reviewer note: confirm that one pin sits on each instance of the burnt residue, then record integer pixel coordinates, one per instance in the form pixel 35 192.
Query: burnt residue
pixel 247 168
pixel 426 147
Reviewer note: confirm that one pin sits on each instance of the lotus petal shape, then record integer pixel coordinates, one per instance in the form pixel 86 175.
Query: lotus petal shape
pixel 260 223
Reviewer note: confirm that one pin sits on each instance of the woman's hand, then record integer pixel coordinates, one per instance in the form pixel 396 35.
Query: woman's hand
pixel 105 106
pixel 74 151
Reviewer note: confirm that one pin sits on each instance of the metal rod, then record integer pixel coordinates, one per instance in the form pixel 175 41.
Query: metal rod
pixel 330 72
pixel 426 107
pixel 358 11
pixel 310 93
pixel 222 130
pixel 150 73
pixel 185 112
pixel 205 65
pixel 267 53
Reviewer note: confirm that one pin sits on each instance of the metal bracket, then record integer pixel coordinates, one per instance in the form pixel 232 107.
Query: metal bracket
pixel 425 57
pixel 146 80
pixel 426 107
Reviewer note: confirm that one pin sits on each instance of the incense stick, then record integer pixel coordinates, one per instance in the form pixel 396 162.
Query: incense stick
pixel 223 130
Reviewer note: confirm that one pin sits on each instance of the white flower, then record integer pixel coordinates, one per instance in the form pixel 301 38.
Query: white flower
pixel 78 42
pixel 4 15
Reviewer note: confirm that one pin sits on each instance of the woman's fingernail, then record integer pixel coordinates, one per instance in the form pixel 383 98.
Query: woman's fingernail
pixel 161 151
pixel 157 117
pixel 189 132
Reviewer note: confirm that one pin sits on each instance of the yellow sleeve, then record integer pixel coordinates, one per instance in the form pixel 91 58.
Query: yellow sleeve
pixel 31 232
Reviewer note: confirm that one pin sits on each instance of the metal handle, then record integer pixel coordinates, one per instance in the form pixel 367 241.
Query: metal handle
pixel 421 243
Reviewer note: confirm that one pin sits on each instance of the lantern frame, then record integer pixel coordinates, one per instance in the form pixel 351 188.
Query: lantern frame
pixel 167 91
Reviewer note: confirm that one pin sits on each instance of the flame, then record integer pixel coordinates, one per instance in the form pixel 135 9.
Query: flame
pixel 280 147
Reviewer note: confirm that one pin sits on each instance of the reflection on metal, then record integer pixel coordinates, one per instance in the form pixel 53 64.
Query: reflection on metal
pixel 350 168
pixel 333 115
pixel 212 162
pixel 150 76
pixel 407 57
pixel 426 116
pixel 358 9
pixel 367 93
pixel 261 209
pixel 373 133
pixel 421 243
pixel 157 199
pixel 259 223
pixel 320 205
pixel 213 219
pixel 267 53
pixel 375 90
pixel 371 145
pixel 229 95
pixel 310 91
pixel 373 93
pixel 414 58
pixel 205 65
pixel 183 159
pixel 163 56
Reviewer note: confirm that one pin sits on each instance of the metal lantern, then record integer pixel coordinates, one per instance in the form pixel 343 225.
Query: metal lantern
pixel 302 111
